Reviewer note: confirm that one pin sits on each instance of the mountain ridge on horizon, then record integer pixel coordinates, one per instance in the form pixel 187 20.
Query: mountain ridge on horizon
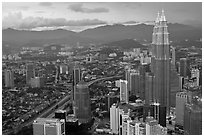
pixel 16 39
pixel 106 25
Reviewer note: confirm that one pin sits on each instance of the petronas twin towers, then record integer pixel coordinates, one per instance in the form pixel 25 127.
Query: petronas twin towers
pixel 161 62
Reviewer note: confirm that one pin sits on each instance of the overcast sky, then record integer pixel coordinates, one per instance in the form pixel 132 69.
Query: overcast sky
pixel 78 16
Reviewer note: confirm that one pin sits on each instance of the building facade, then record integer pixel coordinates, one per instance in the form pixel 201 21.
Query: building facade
pixel 9 78
pixel 48 126
pixel 82 106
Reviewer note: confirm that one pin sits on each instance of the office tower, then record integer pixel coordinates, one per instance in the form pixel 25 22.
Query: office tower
pixel 82 106
pixel 192 119
pixel 111 98
pixel 48 126
pixel 135 83
pixel 125 118
pixel 184 67
pixel 149 88
pixel 9 78
pixel 76 78
pixel 142 70
pixel 127 77
pixel 114 119
pixel 173 56
pixel 30 73
pixel 153 128
pixel 57 76
pixel 181 99
pixel 124 96
pixel 195 73
pixel 161 64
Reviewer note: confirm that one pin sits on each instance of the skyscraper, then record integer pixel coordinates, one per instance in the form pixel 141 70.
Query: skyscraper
pixel 9 78
pixel 173 56
pixel 181 99
pixel 48 126
pixel 184 67
pixel 82 106
pixel 127 77
pixel 161 63
pixel 195 73
pixel 114 119
pixel 76 78
pixel 135 83
pixel 149 88
pixel 30 73
pixel 124 96
pixel 192 120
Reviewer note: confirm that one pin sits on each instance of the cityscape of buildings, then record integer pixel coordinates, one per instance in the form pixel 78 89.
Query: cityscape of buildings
pixel 103 90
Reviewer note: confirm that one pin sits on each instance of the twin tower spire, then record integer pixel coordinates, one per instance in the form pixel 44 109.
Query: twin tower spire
pixel 160 32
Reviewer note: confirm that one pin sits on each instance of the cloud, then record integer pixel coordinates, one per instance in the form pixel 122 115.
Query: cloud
pixel 39 11
pixel 16 20
pixel 79 8
pixel 24 7
pixel 133 5
pixel 46 4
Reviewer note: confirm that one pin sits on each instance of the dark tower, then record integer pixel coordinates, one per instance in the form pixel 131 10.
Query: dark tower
pixel 76 78
pixel 82 106
pixel 30 73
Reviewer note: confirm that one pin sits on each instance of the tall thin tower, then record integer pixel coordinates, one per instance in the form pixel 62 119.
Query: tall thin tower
pixel 161 65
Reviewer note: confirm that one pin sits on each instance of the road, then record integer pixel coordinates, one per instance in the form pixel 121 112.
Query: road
pixel 60 103
pixel 50 112
pixel 105 78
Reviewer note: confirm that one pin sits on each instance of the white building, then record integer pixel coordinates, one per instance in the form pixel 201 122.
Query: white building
pixel 124 96
pixel 195 73
pixel 114 119
pixel 48 126
pixel 181 99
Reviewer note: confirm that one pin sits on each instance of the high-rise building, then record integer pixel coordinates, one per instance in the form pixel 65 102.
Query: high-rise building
pixel 82 106
pixel 173 56
pixel 192 120
pixel 30 73
pixel 127 77
pixel 125 121
pixel 9 78
pixel 195 73
pixel 76 78
pixel 142 70
pixel 124 96
pixel 153 128
pixel 48 126
pixel 114 119
pixel 181 99
pixel 184 67
pixel 149 88
pixel 161 64
pixel 111 98
pixel 135 83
